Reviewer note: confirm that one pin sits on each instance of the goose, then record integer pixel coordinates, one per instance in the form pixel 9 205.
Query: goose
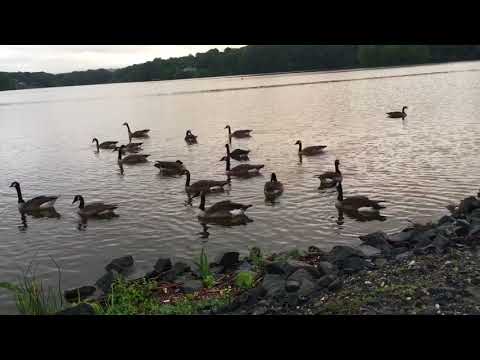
pixel 190 138
pixel 273 188
pixel 224 212
pixel 35 204
pixel 94 209
pixel 170 167
pixel 243 170
pixel 130 159
pixel 398 114
pixel 132 147
pixel 203 185
pixel 237 154
pixel 238 133
pixel 136 134
pixel 105 144
pixel 330 178
pixel 310 150
pixel 360 204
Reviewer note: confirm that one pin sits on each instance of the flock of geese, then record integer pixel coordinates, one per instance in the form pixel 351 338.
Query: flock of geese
pixel 223 212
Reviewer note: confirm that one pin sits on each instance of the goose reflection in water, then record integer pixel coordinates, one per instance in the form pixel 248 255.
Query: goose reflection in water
pixel 50 213
pixel 204 234
pixel 359 216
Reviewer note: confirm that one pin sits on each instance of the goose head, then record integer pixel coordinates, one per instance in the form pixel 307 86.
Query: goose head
pixel 298 143
pixel 227 127
pixel 125 124
pixel 404 108
pixel 15 184
pixel 77 198
pixel 337 162
pixel 273 178
pixel 179 162
pixel 223 158
pixel 94 140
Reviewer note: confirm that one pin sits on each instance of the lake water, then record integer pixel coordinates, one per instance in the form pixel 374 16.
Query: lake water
pixel 417 165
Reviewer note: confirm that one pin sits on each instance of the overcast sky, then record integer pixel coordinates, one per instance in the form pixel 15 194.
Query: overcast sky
pixel 65 58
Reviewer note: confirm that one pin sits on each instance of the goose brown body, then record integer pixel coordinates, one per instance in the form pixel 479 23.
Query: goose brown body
pixel 35 204
pixel 310 150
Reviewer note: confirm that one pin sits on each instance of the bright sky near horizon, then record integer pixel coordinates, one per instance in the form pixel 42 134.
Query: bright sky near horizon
pixel 65 58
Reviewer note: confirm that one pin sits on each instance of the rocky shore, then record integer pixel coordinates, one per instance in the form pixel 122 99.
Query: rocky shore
pixel 429 268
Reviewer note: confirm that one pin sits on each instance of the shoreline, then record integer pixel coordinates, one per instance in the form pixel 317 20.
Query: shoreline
pixel 431 268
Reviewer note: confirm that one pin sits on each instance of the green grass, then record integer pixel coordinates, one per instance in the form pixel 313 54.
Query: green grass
pixel 204 269
pixel 138 299
pixel 32 297
pixel 245 280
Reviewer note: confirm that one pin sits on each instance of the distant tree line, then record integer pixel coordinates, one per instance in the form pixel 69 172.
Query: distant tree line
pixel 252 59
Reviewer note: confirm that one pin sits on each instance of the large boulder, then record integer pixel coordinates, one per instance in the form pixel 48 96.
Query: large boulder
pixel 378 240
pixel 325 268
pixel 474 217
pixel 371 251
pixel 106 281
pixel 80 309
pixel 341 252
pixel 162 265
pixel 181 268
pixel 121 265
pixel 228 260
pixel 287 267
pixel 274 285
pixel 354 264
pixel 468 205
pixel 81 293
pixel 401 239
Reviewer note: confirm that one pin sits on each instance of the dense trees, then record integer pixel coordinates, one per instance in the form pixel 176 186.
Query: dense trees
pixel 252 59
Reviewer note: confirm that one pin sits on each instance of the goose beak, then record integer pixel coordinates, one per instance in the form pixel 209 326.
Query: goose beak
pixel 74 201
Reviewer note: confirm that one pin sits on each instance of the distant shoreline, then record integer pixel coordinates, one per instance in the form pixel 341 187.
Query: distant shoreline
pixel 332 71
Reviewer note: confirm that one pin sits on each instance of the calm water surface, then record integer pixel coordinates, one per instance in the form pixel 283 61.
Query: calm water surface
pixel 417 165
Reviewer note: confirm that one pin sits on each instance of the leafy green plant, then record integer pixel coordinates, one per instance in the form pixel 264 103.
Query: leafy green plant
pixel 204 269
pixel 138 299
pixel 32 297
pixel 245 279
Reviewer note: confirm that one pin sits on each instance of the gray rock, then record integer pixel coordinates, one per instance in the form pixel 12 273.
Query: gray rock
pixel 306 288
pixel 245 266
pixel 440 243
pixel 403 256
pixel 378 240
pixel 106 281
pixel 354 264
pixel 446 219
pixel 423 237
pixel 300 275
pixel 191 286
pixel 468 205
pixel 274 285
pixel 401 239
pixel 326 280
pixel 473 236
pixel 121 265
pixel 296 265
pixel 73 295
pixel 335 285
pixel 474 217
pixel 398 251
pixel 260 310
pixel 228 259
pixel 152 274
pixel 80 309
pixel 162 265
pixel 286 268
pixel 341 252
pixel 370 251
pixel 325 268
pixel 380 262
pixel 181 268
pixel 168 276
pixel 292 285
